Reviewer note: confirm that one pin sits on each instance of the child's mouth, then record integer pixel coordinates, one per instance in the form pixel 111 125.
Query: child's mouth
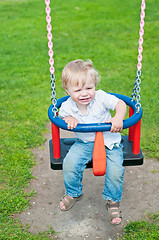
pixel 84 99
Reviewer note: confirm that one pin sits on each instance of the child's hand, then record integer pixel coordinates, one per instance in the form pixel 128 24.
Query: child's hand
pixel 71 122
pixel 117 124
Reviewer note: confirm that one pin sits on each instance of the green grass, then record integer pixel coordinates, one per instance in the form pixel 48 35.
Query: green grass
pixel 142 230
pixel 105 32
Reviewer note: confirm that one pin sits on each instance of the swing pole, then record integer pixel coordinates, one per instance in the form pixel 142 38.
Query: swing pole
pixel 131 129
pixel 56 141
pixel 134 134
pixel 136 138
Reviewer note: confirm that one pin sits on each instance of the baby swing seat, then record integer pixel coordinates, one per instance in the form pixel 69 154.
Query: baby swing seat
pixel 131 143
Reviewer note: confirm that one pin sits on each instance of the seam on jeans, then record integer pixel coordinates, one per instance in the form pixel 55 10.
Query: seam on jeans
pixel 83 171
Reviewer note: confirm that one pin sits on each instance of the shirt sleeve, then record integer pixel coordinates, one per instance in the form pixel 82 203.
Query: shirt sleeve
pixel 109 101
pixel 65 109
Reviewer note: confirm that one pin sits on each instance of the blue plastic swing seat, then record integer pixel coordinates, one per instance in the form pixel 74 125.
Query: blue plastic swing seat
pixel 130 159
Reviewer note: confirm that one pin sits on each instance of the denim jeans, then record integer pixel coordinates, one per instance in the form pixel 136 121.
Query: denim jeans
pixel 75 162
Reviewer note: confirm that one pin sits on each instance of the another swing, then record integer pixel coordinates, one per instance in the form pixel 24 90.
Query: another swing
pixel 131 143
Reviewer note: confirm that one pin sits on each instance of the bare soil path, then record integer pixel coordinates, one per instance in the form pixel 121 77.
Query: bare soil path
pixel 88 219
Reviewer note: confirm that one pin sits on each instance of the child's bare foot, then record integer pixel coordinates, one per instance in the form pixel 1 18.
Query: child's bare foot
pixel 115 216
pixel 68 202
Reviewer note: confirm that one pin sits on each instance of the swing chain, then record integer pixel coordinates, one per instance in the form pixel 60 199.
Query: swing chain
pixel 51 60
pixel 53 98
pixel 136 91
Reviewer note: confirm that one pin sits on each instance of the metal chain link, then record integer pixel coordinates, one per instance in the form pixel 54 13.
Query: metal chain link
pixel 136 91
pixel 53 96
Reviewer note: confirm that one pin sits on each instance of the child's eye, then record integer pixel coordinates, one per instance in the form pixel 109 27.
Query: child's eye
pixel 78 90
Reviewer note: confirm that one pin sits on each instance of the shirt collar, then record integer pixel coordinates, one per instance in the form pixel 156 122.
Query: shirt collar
pixel 76 109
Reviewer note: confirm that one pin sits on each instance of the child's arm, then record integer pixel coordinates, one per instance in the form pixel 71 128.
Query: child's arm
pixel 71 122
pixel 117 120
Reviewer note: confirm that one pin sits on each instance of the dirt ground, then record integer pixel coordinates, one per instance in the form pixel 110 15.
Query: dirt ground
pixel 88 219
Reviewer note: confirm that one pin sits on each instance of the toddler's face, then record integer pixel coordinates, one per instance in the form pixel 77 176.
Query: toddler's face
pixel 82 95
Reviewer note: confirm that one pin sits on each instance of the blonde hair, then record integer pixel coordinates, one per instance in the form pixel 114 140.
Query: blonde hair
pixel 77 72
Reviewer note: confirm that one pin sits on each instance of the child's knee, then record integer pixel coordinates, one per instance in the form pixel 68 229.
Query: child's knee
pixel 68 164
pixel 116 173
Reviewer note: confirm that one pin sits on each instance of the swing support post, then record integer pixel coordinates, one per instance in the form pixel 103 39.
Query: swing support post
pixel 136 141
pixel 131 129
pixel 56 141
pixel 134 134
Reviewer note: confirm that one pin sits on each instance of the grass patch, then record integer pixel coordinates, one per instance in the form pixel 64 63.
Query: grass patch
pixel 102 31
pixel 143 230
pixel 11 229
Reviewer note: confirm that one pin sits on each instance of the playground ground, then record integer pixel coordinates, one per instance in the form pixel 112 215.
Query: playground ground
pixel 88 219
pixel 107 33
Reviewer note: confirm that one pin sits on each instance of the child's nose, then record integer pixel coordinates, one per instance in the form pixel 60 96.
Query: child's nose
pixel 84 92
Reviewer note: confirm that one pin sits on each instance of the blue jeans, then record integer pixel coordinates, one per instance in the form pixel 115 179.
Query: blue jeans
pixel 75 162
